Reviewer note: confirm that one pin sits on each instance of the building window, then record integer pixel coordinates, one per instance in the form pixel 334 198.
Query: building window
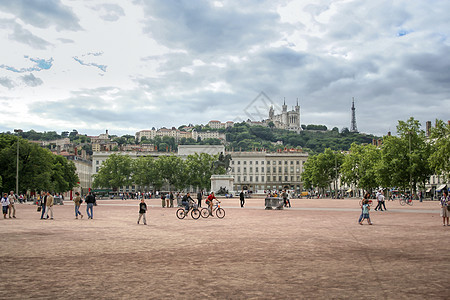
pixel 251 169
pixel 238 162
pixel 97 162
pixel 292 178
pixel 251 178
pixel 250 162
pixel 256 178
pixel 285 162
pixel 298 162
pixel 232 162
pixel 239 179
pixel 232 169
pixel 256 162
pixel 268 163
pixel 292 162
pixel 262 162
pixel 245 170
pixel 239 169
pixel 262 169
pixel 256 169
pixel 274 178
pixel 274 169
pixel 245 178
pixel 279 162
pixel 279 178
pixel 279 169
pixel 262 178
pixel 285 169
pixel 245 162
pixel 292 169
pixel 96 169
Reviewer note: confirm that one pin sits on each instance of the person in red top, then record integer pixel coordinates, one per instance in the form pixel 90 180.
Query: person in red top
pixel 209 201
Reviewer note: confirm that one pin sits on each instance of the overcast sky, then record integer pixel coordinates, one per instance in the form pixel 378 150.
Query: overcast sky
pixel 132 65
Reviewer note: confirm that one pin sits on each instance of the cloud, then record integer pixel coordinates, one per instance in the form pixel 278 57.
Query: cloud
pixel 6 82
pixel 43 14
pixel 201 27
pixel 19 34
pixel 83 61
pixel 109 12
pixel 31 80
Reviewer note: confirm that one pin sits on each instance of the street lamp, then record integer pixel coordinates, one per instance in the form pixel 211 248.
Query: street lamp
pixel 17 162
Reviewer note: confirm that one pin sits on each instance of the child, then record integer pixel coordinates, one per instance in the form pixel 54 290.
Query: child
pixel 366 209
pixel 142 211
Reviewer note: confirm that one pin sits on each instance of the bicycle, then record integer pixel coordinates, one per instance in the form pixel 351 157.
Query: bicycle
pixel 404 201
pixel 220 212
pixel 182 213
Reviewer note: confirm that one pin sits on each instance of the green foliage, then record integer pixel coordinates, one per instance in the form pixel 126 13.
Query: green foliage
pixel 321 169
pixel 115 172
pixel 39 169
pixel 198 168
pixel 360 166
pixel 439 159
pixel 173 170
pixel 147 172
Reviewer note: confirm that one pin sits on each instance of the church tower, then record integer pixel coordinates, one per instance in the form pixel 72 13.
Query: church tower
pixel 297 110
pixel 284 115
pixel 271 112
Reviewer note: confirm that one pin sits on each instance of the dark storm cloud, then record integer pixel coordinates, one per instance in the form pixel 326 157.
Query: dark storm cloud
pixel 42 14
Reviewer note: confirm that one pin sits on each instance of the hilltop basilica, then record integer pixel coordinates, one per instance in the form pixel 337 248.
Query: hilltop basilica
pixel 289 120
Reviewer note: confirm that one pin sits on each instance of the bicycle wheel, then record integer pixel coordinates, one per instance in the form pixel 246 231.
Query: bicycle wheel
pixel 402 202
pixel 410 202
pixel 220 213
pixel 195 213
pixel 180 213
pixel 204 212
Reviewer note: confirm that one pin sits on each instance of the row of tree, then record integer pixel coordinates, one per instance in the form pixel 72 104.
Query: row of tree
pixel 39 169
pixel 153 173
pixel 405 161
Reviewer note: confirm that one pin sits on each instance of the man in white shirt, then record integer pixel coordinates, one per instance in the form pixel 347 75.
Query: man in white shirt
pixel 380 199
pixel 12 208
pixel 5 204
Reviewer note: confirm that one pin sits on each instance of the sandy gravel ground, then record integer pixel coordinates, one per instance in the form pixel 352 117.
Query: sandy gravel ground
pixel 315 250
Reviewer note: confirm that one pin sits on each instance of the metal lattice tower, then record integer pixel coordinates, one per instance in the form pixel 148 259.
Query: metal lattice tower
pixel 353 127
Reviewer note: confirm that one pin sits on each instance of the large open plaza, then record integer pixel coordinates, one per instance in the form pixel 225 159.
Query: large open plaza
pixel 316 249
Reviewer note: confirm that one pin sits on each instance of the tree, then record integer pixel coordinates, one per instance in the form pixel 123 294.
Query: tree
pixel 146 172
pixel 198 168
pixel 405 158
pixel 63 176
pixel 322 169
pixel 439 159
pixel 173 170
pixel 360 166
pixel 115 172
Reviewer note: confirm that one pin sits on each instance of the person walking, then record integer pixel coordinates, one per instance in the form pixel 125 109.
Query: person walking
pixel 12 198
pixel 171 197
pixel 366 216
pixel 90 200
pixel 77 200
pixel 242 198
pixel 380 198
pixel 199 198
pixel 163 200
pixel 445 204
pixel 49 206
pixel 142 211
pixel 5 204
pixel 43 204
pixel 366 197
pixel 167 200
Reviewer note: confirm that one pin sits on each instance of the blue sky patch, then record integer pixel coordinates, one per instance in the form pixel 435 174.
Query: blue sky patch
pixel 40 64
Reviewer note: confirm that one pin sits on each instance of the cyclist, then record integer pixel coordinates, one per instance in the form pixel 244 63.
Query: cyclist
pixel 186 201
pixel 209 202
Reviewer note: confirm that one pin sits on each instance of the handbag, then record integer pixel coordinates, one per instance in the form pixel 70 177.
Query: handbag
pixel 448 207
pixel 39 208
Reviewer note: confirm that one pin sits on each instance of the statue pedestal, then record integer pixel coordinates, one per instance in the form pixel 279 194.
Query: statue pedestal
pixel 224 181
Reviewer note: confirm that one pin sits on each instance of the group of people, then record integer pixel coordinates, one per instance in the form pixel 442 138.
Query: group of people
pixel 8 205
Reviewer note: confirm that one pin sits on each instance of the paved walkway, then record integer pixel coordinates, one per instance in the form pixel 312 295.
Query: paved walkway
pixel 315 250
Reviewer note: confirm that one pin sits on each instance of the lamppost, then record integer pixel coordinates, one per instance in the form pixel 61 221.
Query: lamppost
pixel 17 131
